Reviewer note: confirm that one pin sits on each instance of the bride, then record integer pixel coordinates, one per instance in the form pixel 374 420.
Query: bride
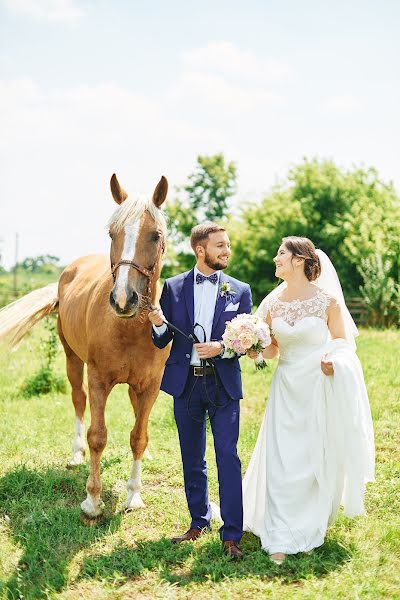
pixel 315 448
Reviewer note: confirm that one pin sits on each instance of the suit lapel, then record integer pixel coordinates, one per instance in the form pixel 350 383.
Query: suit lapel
pixel 188 293
pixel 221 301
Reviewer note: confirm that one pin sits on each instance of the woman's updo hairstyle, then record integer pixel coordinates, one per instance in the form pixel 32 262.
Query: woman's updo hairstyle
pixel 302 247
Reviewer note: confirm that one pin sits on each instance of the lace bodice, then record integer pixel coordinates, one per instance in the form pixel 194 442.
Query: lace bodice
pixel 300 326
pixel 294 311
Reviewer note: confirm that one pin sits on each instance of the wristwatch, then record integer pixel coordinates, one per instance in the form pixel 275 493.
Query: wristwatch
pixel 222 348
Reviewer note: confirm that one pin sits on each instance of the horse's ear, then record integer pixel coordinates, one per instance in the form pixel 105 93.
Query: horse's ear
pixel 160 193
pixel 119 194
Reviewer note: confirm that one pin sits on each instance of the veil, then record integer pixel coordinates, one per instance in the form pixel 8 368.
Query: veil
pixel 329 282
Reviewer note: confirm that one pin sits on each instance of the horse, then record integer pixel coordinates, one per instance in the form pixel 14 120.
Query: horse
pixel 102 306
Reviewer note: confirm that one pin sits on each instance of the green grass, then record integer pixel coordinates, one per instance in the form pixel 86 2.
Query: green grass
pixel 45 551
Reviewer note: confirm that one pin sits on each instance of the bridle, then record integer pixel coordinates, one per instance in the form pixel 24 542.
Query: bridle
pixel 149 273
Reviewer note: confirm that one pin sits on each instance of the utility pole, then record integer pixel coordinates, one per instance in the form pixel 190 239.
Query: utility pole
pixel 16 267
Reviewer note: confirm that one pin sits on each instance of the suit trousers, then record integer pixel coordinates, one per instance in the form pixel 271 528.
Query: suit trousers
pixel 190 410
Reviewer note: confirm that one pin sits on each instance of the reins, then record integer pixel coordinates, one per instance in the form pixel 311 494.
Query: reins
pixel 149 273
pixel 193 339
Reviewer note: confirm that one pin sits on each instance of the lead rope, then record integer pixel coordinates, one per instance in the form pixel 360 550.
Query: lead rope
pixel 204 363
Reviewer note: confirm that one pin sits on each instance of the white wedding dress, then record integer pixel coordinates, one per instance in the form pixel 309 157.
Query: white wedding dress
pixel 315 446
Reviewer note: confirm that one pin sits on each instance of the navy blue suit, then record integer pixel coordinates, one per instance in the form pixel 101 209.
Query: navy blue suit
pixel 178 307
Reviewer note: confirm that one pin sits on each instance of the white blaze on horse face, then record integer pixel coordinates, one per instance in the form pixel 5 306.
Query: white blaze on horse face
pixel 128 253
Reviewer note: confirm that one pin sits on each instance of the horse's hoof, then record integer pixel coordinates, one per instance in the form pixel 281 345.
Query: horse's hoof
pixel 90 510
pixel 90 521
pixel 134 503
pixel 77 459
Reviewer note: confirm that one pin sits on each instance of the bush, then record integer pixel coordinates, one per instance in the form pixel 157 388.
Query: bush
pixel 45 380
pixel 349 214
pixel 380 291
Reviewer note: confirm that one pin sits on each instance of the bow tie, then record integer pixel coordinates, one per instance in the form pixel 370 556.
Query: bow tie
pixel 212 278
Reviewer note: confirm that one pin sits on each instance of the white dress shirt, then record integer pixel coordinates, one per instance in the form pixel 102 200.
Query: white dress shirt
pixel 205 298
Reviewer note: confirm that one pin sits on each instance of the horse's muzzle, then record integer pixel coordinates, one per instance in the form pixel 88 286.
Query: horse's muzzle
pixel 131 307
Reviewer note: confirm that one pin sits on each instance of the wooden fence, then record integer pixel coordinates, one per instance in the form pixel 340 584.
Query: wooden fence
pixel 358 310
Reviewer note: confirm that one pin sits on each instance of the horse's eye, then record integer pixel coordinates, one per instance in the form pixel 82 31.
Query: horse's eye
pixel 111 235
pixel 156 236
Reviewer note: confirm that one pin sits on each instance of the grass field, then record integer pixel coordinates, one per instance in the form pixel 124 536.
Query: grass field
pixel 45 551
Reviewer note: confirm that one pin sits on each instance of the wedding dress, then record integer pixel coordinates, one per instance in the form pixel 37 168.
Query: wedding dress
pixel 315 447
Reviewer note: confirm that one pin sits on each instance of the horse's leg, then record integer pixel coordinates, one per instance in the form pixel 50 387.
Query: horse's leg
pixel 97 438
pixel 75 377
pixel 134 402
pixel 139 439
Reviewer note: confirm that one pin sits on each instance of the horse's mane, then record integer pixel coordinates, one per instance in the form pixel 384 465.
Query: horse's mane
pixel 132 209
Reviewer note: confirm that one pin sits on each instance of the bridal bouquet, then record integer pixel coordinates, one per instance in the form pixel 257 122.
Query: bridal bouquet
pixel 247 332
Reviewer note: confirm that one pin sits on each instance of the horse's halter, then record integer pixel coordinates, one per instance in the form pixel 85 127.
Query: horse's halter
pixel 149 273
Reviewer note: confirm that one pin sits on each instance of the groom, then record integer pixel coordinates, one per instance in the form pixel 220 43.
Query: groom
pixel 202 301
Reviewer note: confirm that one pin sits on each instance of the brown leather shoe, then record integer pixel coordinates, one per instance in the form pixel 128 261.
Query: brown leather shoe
pixel 232 549
pixel 190 535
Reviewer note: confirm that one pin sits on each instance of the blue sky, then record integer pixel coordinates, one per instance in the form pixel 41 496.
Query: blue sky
pixel 141 88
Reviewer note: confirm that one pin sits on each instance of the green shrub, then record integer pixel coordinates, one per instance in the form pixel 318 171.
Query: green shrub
pixel 43 382
pixel 46 380
pixel 380 291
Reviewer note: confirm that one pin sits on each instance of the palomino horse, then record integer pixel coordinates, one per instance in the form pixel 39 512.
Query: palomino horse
pixel 102 321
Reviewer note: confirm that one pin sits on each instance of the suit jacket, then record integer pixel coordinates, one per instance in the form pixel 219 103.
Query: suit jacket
pixel 177 304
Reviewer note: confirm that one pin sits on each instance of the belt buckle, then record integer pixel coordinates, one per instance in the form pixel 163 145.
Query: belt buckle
pixel 198 371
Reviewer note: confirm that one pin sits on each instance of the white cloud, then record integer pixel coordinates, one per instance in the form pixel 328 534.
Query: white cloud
pixel 343 104
pixel 65 11
pixel 58 149
pixel 205 91
pixel 226 58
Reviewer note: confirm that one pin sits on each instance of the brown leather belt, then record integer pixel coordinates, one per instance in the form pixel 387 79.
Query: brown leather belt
pixel 201 371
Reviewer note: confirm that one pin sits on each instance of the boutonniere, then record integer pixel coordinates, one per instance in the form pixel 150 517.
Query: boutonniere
pixel 226 290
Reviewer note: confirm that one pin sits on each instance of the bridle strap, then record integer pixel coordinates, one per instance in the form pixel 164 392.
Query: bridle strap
pixel 130 263
pixel 149 273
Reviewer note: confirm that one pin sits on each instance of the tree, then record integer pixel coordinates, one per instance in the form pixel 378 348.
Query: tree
pixel 46 263
pixel 256 236
pixel 203 198
pixel 349 214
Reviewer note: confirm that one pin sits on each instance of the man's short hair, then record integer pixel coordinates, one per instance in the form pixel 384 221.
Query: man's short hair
pixel 200 233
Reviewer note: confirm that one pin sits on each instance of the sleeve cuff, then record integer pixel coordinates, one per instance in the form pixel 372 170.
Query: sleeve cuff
pixel 226 353
pixel 160 329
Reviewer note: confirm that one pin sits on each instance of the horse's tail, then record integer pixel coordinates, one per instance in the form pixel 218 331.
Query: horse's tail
pixel 17 318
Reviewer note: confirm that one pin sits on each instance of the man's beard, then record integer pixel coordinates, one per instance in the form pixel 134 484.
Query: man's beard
pixel 214 264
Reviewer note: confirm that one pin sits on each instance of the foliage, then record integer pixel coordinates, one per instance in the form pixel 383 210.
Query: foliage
pixel 43 382
pixel 380 292
pixel 348 214
pixel 26 282
pixel 203 198
pixel 46 263
pixel 46 380
pixel 256 236
pixel 46 552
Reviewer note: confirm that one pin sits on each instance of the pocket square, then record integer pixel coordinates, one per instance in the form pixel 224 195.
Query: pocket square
pixel 231 306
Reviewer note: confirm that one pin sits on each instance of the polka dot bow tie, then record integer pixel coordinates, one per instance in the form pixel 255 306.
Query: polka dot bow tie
pixel 213 278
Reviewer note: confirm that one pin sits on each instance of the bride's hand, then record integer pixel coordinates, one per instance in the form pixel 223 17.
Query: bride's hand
pixel 252 354
pixel 326 366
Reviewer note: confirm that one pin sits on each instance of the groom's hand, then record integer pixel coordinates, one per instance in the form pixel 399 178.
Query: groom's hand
pixel 208 350
pixel 156 317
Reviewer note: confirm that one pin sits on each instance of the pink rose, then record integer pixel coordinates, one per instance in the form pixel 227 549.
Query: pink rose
pixel 247 340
